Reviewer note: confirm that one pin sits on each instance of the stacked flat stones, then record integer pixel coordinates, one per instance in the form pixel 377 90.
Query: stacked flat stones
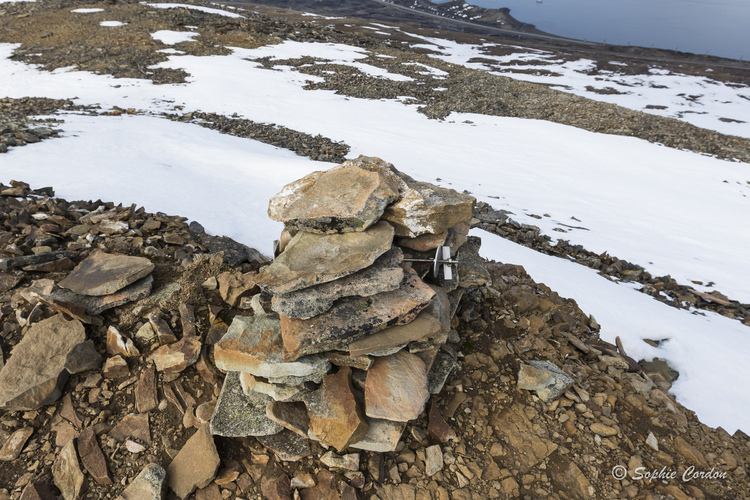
pixel 355 343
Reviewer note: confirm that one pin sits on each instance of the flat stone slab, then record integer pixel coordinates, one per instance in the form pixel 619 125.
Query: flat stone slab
pixel 424 325
pixel 353 318
pixel 287 445
pixel 310 259
pixel 396 387
pixel 148 485
pixel 37 368
pixel 98 304
pixel 383 276
pixel 343 199
pixel 253 344
pixel 544 378
pixel 195 465
pixel 178 356
pixel 290 415
pixel 102 274
pixel 336 417
pixel 427 208
pixel 383 436
pixel 240 415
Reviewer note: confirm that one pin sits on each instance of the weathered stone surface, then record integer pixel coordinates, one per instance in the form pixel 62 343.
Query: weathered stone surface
pixel 433 460
pixel 148 485
pixel 115 367
pixel 336 417
pixel 146 398
pixel 12 448
pixel 471 268
pixel 92 457
pixel 178 356
pixel 290 415
pixel 353 318
pixel 118 345
pixel 234 286
pixel 437 427
pixel 426 208
pixel 287 445
pixel 102 274
pixel 424 242
pixel 425 325
pixel 382 436
pixel 37 490
pixel 383 276
pixel 253 344
pixel 396 387
pixel 67 473
pixel 83 357
pixel 97 304
pixel 240 415
pixel 132 426
pixel 311 259
pixel 442 365
pixel 343 359
pixel 195 465
pixel 36 370
pixel 162 329
pixel 277 392
pixel 276 488
pixel 689 452
pixel 345 198
pixel 546 379
pixel 528 442
pixel 349 461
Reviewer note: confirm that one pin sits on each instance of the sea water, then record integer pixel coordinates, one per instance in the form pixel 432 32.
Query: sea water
pixel 716 27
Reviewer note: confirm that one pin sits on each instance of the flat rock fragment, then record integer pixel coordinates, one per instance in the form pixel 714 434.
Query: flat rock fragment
pixel 178 356
pixel 396 387
pixel 424 325
pixel 102 274
pixel 132 426
pixel 94 305
pixel 351 319
pixel 67 474
pixel 287 445
pixel 311 259
pixel 291 415
pixel 544 378
pixel 196 464
pixel 146 398
pixel 149 484
pixel 234 286
pixel 382 436
pixel 12 448
pixel 240 415
pixel 92 457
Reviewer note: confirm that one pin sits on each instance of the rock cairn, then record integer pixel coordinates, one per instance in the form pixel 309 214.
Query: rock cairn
pixel 354 342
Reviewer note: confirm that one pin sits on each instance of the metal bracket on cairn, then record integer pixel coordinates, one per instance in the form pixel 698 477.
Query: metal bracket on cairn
pixel 442 259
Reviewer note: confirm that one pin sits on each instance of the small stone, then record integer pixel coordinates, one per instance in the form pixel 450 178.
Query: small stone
pixel 204 412
pixel 132 426
pixel 12 448
pixel 307 259
pixel 344 359
pixel 288 446
pixel 546 379
pixel 176 357
pixel 148 485
pixel 146 398
pixel 325 487
pixel 67 474
pixel 234 286
pixel 195 465
pixel 382 436
pixel 134 447
pixel 240 415
pixel 440 369
pixel 336 417
pixel 346 462
pixel 276 488
pixel 277 392
pixel 210 492
pixel 101 273
pixel 603 430
pixel 652 441
pixel 92 457
pixel 115 367
pixel 528 442
pixel 161 328
pixel 118 345
pixel 303 481
pixel 437 427
pixel 396 388
pixel 433 460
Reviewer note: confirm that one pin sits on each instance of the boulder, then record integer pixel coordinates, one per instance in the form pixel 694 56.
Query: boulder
pixel 383 276
pixel 311 259
pixel 396 387
pixel 102 274
pixel 344 199
pixel 353 318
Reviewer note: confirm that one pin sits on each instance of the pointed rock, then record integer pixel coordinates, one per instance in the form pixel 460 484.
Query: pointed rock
pixel 290 415
pixel 440 369
pixel 472 269
pixel 92 457
pixel 238 415
pixel 146 398
pixel 343 199
pixel 148 485
pixel 288 446
pixel 309 258
pixel 383 276
pixel 233 286
pixel 12 448
pixel 336 417
pixel 178 356
pixel 101 273
pixel 118 345
pixel 161 328
pixel 424 326
pixel 396 387
pixel 67 473
pixel 382 437
pixel 437 427
pixel 351 319
pixel 253 345
pixel 36 370
pixel 195 465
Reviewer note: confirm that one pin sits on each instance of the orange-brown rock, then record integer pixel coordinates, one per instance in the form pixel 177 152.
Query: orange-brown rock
pixel 396 387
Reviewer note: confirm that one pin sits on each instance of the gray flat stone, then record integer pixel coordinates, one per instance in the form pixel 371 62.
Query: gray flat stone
pixel 102 274
pixel 383 436
pixel 544 378
pixel 240 415
pixel 442 365
pixel 383 276
pixel 310 259
pixel 98 304
pixel 287 445
pixel 424 325
pixel 36 371
pixel 148 485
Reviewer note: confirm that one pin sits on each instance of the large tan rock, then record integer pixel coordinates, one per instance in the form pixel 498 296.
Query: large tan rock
pixel 102 274
pixel 311 259
pixel 344 199
pixel 67 474
pixel 41 362
pixel 529 443
pixel 336 417
pixel 351 319
pixel 425 325
pixel 396 387
pixel 195 465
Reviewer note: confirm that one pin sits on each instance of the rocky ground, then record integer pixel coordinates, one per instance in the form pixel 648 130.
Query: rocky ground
pixel 483 435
